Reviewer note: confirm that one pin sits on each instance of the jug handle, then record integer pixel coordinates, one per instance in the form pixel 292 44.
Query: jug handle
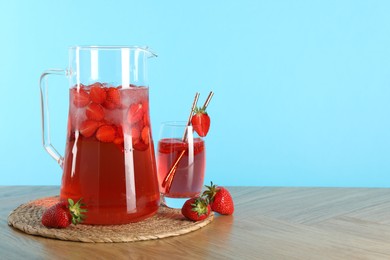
pixel 50 149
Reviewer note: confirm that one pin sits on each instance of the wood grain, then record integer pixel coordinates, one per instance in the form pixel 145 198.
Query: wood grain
pixel 268 223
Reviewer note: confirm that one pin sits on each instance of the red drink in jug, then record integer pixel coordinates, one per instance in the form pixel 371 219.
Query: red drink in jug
pixel 109 157
pixel 188 179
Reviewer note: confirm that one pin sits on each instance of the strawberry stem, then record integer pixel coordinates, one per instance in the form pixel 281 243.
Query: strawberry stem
pixel 210 192
pixel 200 110
pixel 76 211
pixel 200 206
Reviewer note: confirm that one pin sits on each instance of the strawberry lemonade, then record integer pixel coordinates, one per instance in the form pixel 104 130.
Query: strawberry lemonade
pixel 188 179
pixel 109 157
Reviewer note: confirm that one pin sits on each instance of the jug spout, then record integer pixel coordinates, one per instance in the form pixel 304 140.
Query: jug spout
pixel 137 51
pixel 151 53
pixel 94 63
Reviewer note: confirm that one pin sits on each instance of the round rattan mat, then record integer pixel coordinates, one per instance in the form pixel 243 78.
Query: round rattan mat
pixel 166 222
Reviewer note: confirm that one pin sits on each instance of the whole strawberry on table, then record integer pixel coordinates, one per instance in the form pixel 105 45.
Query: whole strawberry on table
pixel 220 199
pixel 63 213
pixel 196 209
pixel 214 198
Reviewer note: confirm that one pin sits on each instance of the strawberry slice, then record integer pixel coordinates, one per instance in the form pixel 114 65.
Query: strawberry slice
pixel 106 133
pixel 201 122
pixel 80 97
pixel 135 113
pixel 95 112
pixel 97 94
pixel 139 145
pixel 135 133
pixel 119 140
pixel 113 99
pixel 119 136
pixel 146 119
pixel 145 135
pixel 88 128
pixel 109 105
pixel 145 108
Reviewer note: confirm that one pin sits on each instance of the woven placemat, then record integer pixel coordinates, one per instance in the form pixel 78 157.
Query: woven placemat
pixel 166 222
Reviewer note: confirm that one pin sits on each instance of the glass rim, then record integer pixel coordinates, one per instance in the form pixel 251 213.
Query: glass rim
pixel 175 123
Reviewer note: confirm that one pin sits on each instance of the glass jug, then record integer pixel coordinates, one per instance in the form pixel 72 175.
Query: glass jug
pixel 109 159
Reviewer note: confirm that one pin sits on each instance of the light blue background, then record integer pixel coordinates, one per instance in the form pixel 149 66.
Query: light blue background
pixel 301 87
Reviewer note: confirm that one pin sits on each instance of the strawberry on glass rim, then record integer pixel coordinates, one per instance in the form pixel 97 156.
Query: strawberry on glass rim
pixel 200 121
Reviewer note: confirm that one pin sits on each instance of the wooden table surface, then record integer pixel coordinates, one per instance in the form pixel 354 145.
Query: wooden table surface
pixel 268 223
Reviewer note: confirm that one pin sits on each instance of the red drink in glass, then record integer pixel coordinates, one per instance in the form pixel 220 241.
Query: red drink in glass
pixel 188 179
pixel 109 157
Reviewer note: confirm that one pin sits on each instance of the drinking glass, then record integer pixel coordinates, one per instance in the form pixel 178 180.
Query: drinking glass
pixel 181 163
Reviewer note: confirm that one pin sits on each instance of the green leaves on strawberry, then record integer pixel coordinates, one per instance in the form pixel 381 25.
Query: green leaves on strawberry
pixel 76 211
pixel 200 121
pixel 220 199
pixel 63 213
pixel 196 209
